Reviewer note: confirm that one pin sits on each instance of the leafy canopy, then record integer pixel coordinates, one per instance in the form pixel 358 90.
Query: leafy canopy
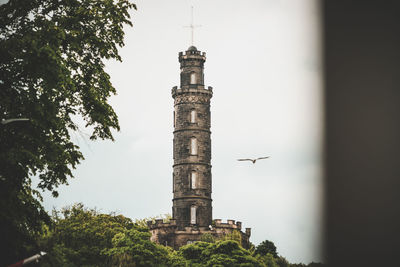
pixel 51 72
pixel 266 247
pixel 81 237
pixel 84 237
pixel 52 69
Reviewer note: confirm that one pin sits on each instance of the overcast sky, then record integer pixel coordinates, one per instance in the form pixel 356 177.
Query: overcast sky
pixel 263 63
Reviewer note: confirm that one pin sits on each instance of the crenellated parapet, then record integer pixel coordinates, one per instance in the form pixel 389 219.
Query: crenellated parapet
pixel 167 233
pixel 192 54
pixel 159 223
pixel 231 224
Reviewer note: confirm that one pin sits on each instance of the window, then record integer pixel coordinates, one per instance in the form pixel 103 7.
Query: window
pixel 193 116
pixel 193 146
pixel 192 78
pixel 193 180
pixel 193 214
pixel 175 110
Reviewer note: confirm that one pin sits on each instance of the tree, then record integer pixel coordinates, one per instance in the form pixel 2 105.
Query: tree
pixel 221 253
pixel 79 236
pixel 267 260
pixel 134 248
pixel 208 238
pixel 266 247
pixel 234 235
pixel 84 237
pixel 51 71
pixel 282 262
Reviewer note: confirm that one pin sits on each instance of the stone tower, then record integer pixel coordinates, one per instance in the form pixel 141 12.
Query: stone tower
pixel 192 144
pixel 192 209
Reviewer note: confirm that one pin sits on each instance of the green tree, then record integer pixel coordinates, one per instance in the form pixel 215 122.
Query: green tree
pixel 266 247
pixel 209 238
pixel 221 253
pixel 234 235
pixel 267 260
pixel 282 262
pixel 51 71
pixel 134 248
pixel 79 236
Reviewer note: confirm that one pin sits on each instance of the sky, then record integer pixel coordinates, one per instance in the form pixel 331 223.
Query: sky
pixel 263 62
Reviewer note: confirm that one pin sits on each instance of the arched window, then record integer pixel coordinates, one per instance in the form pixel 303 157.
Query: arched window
pixel 192 116
pixel 192 78
pixel 193 180
pixel 193 214
pixel 193 146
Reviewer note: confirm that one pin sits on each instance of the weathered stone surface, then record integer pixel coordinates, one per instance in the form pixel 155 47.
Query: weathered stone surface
pixel 168 234
pixel 191 99
pixel 192 209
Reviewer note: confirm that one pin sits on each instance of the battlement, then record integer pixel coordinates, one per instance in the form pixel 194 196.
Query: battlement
pixel 159 223
pixel 192 55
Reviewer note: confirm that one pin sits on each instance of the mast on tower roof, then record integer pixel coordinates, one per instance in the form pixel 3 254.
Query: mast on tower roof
pixel 192 27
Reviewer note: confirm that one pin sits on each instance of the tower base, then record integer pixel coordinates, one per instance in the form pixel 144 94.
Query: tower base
pixel 168 234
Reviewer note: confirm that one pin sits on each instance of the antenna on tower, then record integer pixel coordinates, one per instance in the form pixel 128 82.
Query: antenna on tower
pixel 192 26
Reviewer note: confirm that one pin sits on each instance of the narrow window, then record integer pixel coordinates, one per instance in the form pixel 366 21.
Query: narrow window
pixel 175 111
pixel 193 146
pixel 193 180
pixel 193 214
pixel 193 116
pixel 192 78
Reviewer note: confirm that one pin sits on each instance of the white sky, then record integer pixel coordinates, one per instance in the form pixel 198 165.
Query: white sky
pixel 263 63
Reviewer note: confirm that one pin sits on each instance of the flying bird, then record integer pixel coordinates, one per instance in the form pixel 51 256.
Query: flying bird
pixel 253 160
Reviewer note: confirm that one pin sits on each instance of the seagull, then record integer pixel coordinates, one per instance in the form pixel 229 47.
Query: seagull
pixel 253 160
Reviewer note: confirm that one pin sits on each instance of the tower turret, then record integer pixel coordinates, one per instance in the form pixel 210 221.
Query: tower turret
pixel 192 144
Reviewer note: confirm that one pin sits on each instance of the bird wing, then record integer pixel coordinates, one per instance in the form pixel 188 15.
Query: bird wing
pixel 263 158
pixel 244 159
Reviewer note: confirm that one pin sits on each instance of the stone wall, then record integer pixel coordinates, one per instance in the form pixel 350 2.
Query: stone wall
pixel 167 233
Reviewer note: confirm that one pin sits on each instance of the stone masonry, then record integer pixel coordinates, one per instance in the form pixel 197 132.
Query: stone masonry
pixel 192 209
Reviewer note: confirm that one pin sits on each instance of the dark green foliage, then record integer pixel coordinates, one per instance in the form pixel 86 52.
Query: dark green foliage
pixel 266 247
pixel 208 238
pixel 235 236
pixel 21 220
pixel 267 260
pixel 51 71
pixel 221 253
pixel 282 262
pixel 134 248
pixel 79 236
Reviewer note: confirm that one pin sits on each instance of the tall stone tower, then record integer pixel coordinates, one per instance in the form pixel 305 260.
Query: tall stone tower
pixel 192 209
pixel 192 144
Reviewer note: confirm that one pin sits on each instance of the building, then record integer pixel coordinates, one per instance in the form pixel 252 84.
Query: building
pixel 192 187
